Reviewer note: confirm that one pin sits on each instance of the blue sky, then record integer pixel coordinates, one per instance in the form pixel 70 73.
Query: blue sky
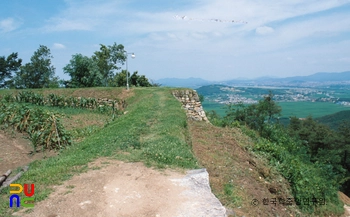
pixel 280 38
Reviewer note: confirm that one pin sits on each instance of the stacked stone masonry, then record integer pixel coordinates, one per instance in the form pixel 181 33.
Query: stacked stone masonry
pixel 190 102
pixel 118 104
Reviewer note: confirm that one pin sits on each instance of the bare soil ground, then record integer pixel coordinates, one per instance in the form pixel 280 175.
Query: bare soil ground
pixel 15 152
pixel 346 201
pixel 222 152
pixel 115 188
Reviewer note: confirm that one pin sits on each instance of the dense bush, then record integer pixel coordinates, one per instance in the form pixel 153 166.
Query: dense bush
pixel 62 101
pixel 310 180
pixel 43 127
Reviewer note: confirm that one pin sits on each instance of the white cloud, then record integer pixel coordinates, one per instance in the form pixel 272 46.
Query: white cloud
pixel 114 18
pixel 345 59
pixel 85 16
pixel 8 25
pixel 58 46
pixel 60 24
pixel 264 30
pixel 290 26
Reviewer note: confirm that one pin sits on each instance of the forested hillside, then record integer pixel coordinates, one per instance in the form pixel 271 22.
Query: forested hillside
pixel 334 121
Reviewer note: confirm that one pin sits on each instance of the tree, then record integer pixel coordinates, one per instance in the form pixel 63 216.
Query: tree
pixel 201 98
pixel 139 80
pixel 8 65
pixel 107 59
pixel 344 146
pixel 324 145
pixel 39 73
pixel 136 80
pixel 84 72
pixel 142 81
pixel 269 107
pixel 256 116
pixel 154 84
pixel 119 79
pixel 133 79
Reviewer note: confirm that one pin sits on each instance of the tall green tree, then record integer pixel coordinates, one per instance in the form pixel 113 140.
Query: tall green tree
pixel 38 73
pixel 344 137
pixel 344 146
pixel 269 107
pixel 8 66
pixel 256 116
pixel 119 80
pixel 324 145
pixel 139 80
pixel 84 72
pixel 108 58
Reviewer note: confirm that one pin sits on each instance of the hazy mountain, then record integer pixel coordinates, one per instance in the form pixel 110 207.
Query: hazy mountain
pixel 183 82
pixel 321 77
pixel 198 82
pixel 210 89
pixel 318 77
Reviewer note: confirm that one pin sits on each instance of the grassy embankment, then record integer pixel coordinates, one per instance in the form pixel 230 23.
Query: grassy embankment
pixel 153 130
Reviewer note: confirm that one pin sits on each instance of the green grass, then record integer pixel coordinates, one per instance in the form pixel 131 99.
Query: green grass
pixel 230 194
pixel 153 131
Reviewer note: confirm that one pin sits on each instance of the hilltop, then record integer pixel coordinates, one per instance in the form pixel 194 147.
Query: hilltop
pixel 153 129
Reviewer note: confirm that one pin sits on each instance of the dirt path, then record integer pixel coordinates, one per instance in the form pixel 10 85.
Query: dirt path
pixel 347 210
pixel 128 189
pixel 14 152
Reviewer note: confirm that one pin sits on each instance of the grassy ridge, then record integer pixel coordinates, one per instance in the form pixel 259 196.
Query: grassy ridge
pixel 153 131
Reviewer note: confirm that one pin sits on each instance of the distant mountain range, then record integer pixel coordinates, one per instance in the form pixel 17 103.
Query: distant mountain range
pixel 184 82
pixel 320 77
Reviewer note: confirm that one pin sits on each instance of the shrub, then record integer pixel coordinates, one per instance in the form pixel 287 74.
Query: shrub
pixel 43 127
pixel 313 181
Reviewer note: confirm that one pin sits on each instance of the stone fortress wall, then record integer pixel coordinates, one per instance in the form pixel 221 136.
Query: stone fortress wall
pixel 190 102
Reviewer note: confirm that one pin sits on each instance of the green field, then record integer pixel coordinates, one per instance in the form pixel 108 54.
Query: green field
pixel 298 109
pixel 219 108
pixel 315 109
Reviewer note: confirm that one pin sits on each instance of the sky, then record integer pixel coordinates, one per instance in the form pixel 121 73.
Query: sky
pixel 211 39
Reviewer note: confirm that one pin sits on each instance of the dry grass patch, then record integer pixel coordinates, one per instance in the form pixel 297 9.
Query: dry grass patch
pixel 344 198
pixel 237 176
pixel 71 122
